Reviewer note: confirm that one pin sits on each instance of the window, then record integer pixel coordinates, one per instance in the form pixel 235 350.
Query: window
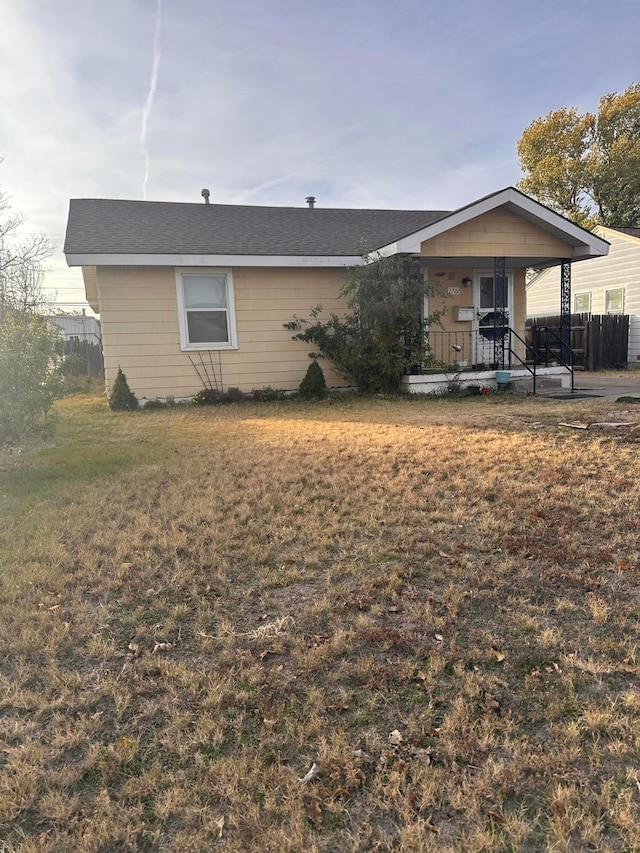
pixel 614 300
pixel 206 309
pixel 488 295
pixel 582 303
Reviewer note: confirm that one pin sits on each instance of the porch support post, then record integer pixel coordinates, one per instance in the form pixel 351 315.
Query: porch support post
pixel 499 310
pixel 565 308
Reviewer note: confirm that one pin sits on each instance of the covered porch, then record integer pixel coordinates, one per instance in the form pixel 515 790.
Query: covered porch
pixel 475 262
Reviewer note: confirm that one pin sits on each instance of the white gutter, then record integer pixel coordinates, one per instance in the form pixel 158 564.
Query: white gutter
pixel 170 260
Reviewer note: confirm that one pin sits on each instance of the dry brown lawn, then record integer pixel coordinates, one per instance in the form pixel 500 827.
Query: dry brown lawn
pixel 435 602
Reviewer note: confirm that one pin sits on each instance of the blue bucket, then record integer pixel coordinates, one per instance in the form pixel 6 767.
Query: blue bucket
pixel 502 378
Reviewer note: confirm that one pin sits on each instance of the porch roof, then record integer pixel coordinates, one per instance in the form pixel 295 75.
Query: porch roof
pixel 584 244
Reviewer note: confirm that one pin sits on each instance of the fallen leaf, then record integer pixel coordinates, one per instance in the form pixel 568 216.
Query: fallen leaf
pixel 624 565
pixel 438 638
pixel 430 826
pixel 360 755
pixel 135 648
pixel 313 773
pixel 395 738
pixel 499 656
pixel 423 755
pixel 162 647
pixel 220 825
pixel 491 703
pixel 443 554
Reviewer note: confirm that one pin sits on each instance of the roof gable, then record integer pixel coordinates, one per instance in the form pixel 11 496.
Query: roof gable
pixel 585 243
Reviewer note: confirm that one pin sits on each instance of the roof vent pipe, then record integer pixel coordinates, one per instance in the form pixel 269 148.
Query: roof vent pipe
pixel 311 201
pixel 205 195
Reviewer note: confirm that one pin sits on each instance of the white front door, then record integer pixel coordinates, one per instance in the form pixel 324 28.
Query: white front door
pixel 485 319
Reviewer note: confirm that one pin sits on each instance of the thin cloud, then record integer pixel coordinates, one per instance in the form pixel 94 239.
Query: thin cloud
pixel 144 145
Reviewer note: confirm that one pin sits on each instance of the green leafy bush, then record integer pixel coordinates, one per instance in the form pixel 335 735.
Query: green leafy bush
pixel 234 395
pixel 207 397
pixel 30 374
pixel 313 386
pixel 73 365
pixel 213 397
pixel 382 337
pixel 122 397
pixel 268 394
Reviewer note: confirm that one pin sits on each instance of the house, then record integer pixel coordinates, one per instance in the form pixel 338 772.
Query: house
pixel 607 286
pixel 77 326
pixel 190 292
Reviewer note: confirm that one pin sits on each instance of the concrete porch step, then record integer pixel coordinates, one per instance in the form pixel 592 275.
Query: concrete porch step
pixel 544 384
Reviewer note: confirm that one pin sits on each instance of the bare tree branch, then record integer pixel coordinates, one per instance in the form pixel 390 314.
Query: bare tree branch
pixel 21 263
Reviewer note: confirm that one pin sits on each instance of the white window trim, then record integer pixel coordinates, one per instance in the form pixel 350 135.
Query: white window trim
pixel 582 293
pixel 232 343
pixel 606 300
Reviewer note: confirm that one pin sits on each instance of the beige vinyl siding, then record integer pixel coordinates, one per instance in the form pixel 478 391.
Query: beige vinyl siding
pixel 620 268
pixel 519 303
pixel 497 233
pixel 140 333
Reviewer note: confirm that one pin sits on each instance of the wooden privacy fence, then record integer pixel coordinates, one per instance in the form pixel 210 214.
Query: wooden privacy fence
pixel 90 353
pixel 600 341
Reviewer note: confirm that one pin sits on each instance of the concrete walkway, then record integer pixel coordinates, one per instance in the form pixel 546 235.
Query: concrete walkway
pixel 609 384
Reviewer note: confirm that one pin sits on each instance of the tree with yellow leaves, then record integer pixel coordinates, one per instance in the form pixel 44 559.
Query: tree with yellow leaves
pixel 587 167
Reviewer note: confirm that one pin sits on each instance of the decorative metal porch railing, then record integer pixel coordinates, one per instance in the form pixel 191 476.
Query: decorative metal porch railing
pixel 463 350
pixel 474 350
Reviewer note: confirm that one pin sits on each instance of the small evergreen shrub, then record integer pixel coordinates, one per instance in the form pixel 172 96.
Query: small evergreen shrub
pixel 313 386
pixel 122 397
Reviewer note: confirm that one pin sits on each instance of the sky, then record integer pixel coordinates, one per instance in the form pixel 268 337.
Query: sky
pixel 361 103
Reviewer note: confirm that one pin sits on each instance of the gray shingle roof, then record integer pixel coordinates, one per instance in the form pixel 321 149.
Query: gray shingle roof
pixel 633 232
pixel 106 226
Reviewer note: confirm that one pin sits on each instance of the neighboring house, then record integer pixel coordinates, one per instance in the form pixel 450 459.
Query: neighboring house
pixel 181 288
pixel 79 326
pixel 606 286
